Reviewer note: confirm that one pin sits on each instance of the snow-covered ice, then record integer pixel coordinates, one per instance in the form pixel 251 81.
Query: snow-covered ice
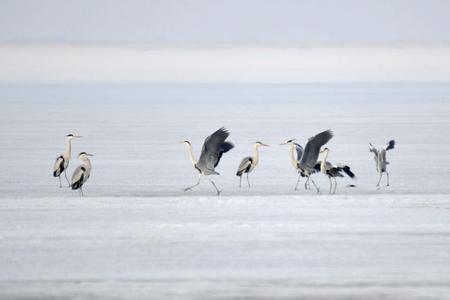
pixel 136 234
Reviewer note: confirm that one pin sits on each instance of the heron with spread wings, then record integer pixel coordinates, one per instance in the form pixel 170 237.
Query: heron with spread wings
pixel 214 147
pixel 311 152
pixel 380 159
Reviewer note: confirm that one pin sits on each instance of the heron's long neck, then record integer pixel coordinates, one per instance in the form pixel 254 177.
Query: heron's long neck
pixel 68 152
pixel 87 164
pixel 293 156
pixel 324 162
pixel 255 155
pixel 191 154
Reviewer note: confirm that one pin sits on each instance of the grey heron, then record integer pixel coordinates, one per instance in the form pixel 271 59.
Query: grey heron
pixel 311 152
pixel 62 161
pixel 82 173
pixel 331 170
pixel 296 155
pixel 249 163
pixel 380 159
pixel 213 149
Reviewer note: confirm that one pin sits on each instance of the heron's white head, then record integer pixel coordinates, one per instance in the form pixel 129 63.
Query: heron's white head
pixel 325 150
pixel 185 142
pixel 71 136
pixel 258 143
pixel 287 142
pixel 84 155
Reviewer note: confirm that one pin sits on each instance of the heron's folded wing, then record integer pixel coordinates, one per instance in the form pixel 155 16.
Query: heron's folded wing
pixel 58 164
pixel 312 148
pixel 245 163
pixel 77 174
pixel 211 151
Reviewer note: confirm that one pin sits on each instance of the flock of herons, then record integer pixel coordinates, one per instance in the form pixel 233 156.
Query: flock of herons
pixel 305 161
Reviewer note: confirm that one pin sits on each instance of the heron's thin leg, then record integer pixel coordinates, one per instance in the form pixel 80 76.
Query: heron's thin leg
pixel 387 174
pixel 298 180
pixel 307 183
pixel 189 188
pixel 318 190
pixel 240 181
pixel 60 185
pixel 335 185
pixel 381 175
pixel 218 191
pixel 248 181
pixel 331 184
pixel 65 174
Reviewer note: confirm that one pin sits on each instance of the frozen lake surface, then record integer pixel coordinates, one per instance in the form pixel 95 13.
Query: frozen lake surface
pixel 136 234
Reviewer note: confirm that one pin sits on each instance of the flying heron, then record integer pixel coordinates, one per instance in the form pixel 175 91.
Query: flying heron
pixel 380 159
pixel 249 163
pixel 62 161
pixel 213 149
pixel 82 173
pixel 332 171
pixel 296 155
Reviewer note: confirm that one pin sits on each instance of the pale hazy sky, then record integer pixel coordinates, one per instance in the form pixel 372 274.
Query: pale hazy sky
pixel 226 21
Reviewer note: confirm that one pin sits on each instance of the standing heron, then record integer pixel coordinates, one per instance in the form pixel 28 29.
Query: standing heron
pixel 249 163
pixel 296 155
pixel 82 173
pixel 380 159
pixel 62 161
pixel 311 152
pixel 213 149
pixel 332 171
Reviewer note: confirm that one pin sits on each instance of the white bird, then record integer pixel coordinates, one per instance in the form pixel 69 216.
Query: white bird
pixel 380 159
pixel 331 170
pixel 81 173
pixel 62 161
pixel 296 155
pixel 249 163
pixel 213 149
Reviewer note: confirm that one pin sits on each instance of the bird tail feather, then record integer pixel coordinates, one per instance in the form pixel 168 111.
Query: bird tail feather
pixel 347 171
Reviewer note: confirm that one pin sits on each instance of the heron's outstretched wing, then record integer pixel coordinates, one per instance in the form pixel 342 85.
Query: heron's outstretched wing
pixel 373 149
pixel 58 167
pixel 312 148
pixel 390 145
pixel 213 148
pixel 299 150
pixel 244 165
pixel 346 170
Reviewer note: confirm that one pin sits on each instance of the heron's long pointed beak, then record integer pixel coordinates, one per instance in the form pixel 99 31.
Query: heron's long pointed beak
pixel 265 145
pixel 89 154
pixel 283 143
